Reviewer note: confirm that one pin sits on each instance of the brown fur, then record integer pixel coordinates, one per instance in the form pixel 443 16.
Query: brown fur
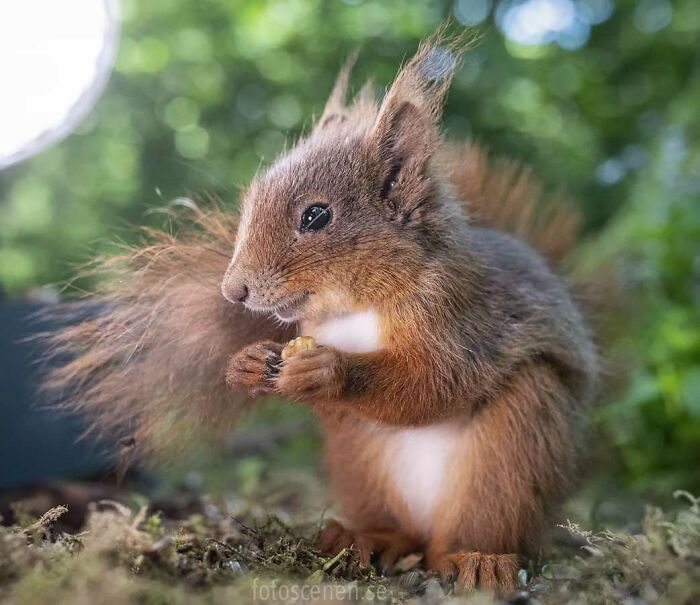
pixel 148 368
pixel 477 333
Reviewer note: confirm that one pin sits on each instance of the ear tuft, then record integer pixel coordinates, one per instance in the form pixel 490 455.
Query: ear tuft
pixel 406 127
pixel 425 79
pixel 335 109
pixel 436 66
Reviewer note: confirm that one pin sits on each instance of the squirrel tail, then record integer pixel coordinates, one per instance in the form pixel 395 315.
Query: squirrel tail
pixel 502 194
pixel 148 358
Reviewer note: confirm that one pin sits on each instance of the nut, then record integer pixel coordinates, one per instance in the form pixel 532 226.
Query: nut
pixel 301 343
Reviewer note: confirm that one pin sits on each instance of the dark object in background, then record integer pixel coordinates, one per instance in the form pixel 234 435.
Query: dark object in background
pixel 38 443
pixel 44 461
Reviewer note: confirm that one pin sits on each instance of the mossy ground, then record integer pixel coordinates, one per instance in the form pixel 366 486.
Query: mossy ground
pixel 237 526
pixel 260 549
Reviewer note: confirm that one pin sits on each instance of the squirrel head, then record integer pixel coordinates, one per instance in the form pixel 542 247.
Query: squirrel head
pixel 350 215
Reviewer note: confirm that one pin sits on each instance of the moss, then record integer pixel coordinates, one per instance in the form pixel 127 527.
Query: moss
pixel 131 556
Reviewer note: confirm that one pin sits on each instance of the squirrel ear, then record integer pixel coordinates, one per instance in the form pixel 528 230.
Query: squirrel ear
pixel 335 109
pixel 404 137
pixel 406 131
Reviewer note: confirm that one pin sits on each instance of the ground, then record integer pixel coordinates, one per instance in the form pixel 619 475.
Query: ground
pixel 260 549
pixel 238 524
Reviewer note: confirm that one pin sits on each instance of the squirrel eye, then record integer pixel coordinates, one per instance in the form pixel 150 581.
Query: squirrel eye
pixel 314 218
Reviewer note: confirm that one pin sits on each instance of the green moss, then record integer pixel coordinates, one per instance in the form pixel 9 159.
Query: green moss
pixel 127 556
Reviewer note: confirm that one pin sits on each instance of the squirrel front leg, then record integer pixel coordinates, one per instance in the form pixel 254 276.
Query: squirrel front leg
pixel 390 388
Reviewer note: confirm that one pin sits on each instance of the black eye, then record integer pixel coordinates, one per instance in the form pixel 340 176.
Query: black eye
pixel 315 218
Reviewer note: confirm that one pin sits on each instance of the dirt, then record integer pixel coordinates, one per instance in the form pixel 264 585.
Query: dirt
pixel 262 550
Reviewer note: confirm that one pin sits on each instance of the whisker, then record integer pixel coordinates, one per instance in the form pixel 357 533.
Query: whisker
pixel 302 261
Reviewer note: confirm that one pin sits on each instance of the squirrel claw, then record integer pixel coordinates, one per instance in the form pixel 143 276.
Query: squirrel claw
pixel 470 570
pixel 255 367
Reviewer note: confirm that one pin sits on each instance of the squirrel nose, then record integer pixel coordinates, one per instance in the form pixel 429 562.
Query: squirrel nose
pixel 234 291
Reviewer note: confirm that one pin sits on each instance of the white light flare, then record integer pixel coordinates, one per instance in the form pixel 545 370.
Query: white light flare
pixel 532 22
pixel 55 58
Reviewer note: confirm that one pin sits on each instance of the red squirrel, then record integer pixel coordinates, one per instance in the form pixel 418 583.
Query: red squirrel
pixel 449 365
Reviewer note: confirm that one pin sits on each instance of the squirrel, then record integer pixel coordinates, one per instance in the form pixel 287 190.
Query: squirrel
pixel 448 362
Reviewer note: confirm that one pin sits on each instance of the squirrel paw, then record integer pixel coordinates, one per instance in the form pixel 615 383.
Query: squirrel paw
pixel 470 570
pixel 389 545
pixel 255 367
pixel 309 372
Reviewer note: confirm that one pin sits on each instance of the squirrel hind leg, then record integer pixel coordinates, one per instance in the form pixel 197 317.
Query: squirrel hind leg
pixel 389 545
pixel 471 570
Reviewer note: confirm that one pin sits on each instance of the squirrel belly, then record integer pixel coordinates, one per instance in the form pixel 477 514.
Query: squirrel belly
pixel 415 461
pixel 419 462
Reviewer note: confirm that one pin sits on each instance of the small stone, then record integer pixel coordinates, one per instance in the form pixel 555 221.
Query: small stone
pixel 434 593
pixel 411 579
pixel 237 567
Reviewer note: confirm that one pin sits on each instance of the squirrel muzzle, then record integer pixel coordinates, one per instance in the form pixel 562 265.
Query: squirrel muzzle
pixel 234 286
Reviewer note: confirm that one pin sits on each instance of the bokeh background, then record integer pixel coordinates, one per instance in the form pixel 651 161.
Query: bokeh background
pixel 600 97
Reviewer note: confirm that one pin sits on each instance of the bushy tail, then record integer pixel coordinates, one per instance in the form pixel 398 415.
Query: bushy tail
pixel 149 363
pixel 502 194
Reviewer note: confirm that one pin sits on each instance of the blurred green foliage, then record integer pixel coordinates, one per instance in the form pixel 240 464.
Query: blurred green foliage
pixel 605 108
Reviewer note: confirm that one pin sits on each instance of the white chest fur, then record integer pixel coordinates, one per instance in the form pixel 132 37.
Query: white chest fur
pixel 417 461
pixel 351 333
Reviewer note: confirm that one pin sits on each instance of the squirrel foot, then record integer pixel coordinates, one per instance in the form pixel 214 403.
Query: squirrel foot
pixel 309 372
pixel 389 545
pixel 472 570
pixel 255 367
